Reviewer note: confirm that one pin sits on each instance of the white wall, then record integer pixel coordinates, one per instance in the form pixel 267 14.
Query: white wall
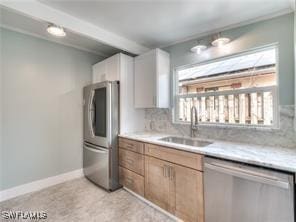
pixel 42 107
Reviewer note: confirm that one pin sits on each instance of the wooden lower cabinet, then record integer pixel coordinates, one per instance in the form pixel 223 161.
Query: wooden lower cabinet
pixel 131 180
pixel 190 160
pixel 131 160
pixel 176 189
pixel 171 179
pixel 131 145
pixel 157 188
pixel 187 201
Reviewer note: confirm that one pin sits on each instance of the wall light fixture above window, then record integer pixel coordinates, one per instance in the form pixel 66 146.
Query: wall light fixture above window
pixel 56 30
pixel 220 41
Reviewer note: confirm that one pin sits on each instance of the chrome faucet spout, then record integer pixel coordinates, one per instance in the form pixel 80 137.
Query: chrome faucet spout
pixel 194 123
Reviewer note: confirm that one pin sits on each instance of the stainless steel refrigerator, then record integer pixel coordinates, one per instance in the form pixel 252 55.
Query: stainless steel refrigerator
pixel 101 126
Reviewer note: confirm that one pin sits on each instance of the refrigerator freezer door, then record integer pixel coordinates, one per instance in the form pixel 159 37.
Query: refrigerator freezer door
pixel 96 165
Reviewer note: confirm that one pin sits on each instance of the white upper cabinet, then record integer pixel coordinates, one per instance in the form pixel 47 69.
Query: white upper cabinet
pixel 120 68
pixel 152 71
pixel 107 70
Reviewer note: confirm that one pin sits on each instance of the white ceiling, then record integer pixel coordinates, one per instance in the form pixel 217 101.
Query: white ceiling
pixel 109 26
pixel 21 23
pixel 158 23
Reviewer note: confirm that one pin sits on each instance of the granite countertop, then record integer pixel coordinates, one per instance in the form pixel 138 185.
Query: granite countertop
pixel 272 157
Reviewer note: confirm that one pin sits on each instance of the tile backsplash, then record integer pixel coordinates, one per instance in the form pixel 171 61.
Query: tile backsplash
pixel 160 120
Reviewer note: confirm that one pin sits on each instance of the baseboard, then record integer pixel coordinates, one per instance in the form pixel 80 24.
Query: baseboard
pixel 153 205
pixel 39 184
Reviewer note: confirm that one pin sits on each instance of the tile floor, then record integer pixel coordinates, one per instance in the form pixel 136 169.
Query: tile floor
pixel 80 200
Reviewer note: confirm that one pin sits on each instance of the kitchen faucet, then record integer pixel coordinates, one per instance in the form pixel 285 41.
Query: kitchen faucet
pixel 194 125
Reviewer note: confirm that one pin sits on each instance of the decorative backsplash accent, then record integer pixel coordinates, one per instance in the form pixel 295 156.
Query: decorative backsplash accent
pixel 160 120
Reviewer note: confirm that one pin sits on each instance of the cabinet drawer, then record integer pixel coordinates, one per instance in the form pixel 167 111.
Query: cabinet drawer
pixel 132 161
pixel 184 158
pixel 132 145
pixel 131 180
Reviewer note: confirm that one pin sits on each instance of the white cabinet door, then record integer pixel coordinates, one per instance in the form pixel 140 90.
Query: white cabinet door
pixel 152 71
pixel 145 80
pixel 120 67
pixel 131 119
pixel 107 70
pixel 99 72
pixel 163 79
pixel 113 68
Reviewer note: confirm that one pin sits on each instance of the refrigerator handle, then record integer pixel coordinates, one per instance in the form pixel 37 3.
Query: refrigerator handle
pixel 96 150
pixel 90 113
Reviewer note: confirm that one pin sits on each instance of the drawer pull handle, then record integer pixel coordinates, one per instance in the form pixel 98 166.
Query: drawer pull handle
pixel 129 145
pixel 130 161
pixel 166 172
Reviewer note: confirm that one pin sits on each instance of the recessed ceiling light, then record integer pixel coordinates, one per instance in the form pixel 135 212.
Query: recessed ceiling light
pixel 56 30
pixel 198 49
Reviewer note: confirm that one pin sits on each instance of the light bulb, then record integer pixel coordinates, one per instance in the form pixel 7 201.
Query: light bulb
pixel 220 42
pixel 198 49
pixel 56 30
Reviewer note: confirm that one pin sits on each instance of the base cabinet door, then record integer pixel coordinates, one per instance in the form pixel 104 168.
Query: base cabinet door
pixel 157 182
pixel 187 193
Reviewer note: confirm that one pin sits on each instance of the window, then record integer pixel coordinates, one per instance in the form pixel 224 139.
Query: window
pixel 237 90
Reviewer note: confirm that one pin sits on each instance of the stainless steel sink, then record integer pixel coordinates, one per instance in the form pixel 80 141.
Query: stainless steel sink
pixel 186 141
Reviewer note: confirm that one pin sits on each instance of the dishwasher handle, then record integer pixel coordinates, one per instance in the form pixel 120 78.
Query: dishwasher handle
pixel 248 174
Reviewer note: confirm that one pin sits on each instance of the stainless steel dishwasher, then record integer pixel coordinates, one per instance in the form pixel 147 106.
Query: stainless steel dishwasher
pixel 237 192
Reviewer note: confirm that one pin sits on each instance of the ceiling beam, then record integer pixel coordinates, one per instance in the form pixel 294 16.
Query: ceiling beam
pixel 40 11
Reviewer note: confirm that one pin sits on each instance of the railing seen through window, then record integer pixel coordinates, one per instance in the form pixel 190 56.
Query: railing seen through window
pixel 240 90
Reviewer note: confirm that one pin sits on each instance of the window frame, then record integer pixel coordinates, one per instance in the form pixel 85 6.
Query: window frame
pixel 274 89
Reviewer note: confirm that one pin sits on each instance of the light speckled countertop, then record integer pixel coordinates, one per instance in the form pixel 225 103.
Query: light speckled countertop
pixel 272 157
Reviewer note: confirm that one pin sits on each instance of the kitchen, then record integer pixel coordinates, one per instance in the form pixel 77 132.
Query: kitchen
pixel 105 117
